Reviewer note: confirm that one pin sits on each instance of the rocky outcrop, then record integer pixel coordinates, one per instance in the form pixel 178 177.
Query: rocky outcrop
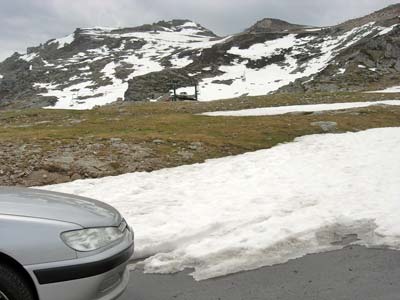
pixel 273 25
pixel 383 17
pixel 157 85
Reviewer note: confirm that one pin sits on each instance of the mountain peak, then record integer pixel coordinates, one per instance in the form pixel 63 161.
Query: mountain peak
pixel 273 25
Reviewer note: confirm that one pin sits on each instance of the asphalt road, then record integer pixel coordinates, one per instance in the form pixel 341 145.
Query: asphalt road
pixel 355 273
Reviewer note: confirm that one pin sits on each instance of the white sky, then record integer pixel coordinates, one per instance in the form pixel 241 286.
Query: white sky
pixel 27 23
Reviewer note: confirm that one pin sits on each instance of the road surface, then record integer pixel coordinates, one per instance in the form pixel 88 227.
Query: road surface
pixel 354 273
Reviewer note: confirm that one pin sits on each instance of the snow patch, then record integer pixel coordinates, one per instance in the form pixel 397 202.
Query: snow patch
pixel 189 24
pixel 280 110
pixel 263 208
pixel 267 49
pixel 180 62
pixel 384 31
pixel 341 71
pixel 62 42
pixel 394 89
pixel 314 29
pixel 239 79
pixel 28 57
pixel 86 95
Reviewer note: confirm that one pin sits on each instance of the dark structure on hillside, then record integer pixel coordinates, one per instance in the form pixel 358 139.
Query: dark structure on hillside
pixel 184 95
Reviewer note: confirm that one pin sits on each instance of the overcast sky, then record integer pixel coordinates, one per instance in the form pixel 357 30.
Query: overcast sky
pixel 26 23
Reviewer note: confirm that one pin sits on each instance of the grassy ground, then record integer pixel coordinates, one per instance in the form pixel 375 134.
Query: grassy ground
pixel 167 134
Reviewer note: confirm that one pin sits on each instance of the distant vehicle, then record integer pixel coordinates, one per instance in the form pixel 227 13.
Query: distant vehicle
pixel 57 246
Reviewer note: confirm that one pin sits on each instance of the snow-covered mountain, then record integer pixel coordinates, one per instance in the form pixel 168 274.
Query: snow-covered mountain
pixel 97 66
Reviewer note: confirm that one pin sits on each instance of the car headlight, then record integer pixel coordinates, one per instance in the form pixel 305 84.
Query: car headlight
pixel 85 240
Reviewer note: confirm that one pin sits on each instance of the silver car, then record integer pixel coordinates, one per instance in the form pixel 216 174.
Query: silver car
pixel 59 246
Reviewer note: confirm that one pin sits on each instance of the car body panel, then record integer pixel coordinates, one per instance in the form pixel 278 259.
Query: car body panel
pixel 57 206
pixel 103 286
pixel 34 241
pixel 106 286
pixel 31 224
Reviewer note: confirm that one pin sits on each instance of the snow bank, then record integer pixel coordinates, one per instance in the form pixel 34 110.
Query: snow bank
pixel 394 89
pixel 243 212
pixel 280 110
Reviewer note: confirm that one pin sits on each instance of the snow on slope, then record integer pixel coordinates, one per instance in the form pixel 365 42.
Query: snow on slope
pixel 255 82
pixel 69 97
pixel 144 52
pixel 62 42
pixel 158 46
pixel 280 110
pixel 394 89
pixel 262 208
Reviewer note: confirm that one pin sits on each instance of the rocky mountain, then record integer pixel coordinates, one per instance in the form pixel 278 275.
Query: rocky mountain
pixel 372 62
pixel 97 66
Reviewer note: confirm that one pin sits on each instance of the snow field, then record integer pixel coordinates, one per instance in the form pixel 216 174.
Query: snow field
pixel 262 208
pixel 394 89
pixel 280 110
pixel 262 81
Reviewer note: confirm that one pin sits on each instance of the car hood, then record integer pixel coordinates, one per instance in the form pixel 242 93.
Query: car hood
pixel 57 206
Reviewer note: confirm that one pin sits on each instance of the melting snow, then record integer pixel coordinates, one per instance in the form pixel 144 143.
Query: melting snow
pixel 394 89
pixel 145 60
pixel 236 79
pixel 280 110
pixel 71 97
pixel 263 208
pixel 314 29
pixel 62 42
pixel 387 30
pixel 242 80
pixel 29 57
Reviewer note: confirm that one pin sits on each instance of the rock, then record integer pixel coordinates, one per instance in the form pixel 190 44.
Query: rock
pixel 158 142
pixel 115 140
pixel 60 163
pixel 326 126
pixel 90 166
pixel 273 25
pixel 195 145
pixel 75 176
pixel 186 155
pixel 43 177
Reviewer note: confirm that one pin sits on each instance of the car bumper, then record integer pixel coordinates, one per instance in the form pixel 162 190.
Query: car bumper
pixel 99 277
pixel 107 286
